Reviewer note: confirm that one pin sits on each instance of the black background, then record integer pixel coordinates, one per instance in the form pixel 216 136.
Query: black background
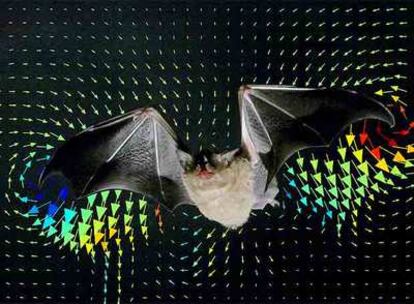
pixel 278 257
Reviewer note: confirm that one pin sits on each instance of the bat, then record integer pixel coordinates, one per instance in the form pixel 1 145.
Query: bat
pixel 140 152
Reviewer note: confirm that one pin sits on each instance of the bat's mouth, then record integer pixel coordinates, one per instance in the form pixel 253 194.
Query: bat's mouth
pixel 204 172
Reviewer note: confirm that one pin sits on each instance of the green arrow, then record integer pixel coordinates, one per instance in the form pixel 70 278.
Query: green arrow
pixel 347 180
pixel 375 187
pixel 332 179
pixel 83 228
pixel 320 190
pixel 314 164
pixel 52 230
pixel 91 199
pixel 66 228
pixel 361 191
pixel 142 218
pixel 334 203
pixel 319 201
pixel 347 192
pixel 100 210
pixel 104 195
pixel 329 165
pixel 304 175
pixel 346 166
pixel 334 191
pixel 345 203
pixel 142 203
pixel 364 167
pixel 85 214
pixel 306 188
pixel 342 153
pixel 129 206
pixel 395 171
pixel 67 237
pixel 114 208
pixel 363 179
pixel 318 177
pixel 380 177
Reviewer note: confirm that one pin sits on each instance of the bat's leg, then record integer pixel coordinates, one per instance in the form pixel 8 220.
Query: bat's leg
pixel 247 146
pixel 262 197
pixel 268 198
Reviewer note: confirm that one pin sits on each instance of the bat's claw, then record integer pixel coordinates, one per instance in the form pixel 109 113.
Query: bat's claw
pixel 244 89
pixel 148 110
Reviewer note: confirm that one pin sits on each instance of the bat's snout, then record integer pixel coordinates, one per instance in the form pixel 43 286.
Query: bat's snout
pixel 204 172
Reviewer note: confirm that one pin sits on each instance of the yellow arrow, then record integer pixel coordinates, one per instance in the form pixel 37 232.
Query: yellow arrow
pixel 399 158
pixel 350 138
pixel 395 98
pixel 382 164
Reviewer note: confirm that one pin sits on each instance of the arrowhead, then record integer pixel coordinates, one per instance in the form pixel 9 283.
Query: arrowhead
pixel 350 138
pixel 342 152
pixel 358 155
pixel 382 164
pixel 395 98
pixel 363 138
pixel 315 163
pixel 376 152
pixel 142 203
pixel 399 158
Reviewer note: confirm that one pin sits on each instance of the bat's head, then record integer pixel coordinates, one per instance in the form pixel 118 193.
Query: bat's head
pixel 206 163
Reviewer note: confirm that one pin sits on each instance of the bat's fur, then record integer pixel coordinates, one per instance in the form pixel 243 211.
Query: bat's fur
pixel 226 197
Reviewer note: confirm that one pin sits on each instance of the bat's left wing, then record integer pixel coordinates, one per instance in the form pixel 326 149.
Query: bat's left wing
pixel 278 121
pixel 137 152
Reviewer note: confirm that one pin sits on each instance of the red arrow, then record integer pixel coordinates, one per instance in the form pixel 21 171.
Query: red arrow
pixel 376 152
pixel 363 138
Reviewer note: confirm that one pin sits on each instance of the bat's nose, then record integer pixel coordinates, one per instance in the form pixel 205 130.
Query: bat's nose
pixel 205 174
pixel 204 171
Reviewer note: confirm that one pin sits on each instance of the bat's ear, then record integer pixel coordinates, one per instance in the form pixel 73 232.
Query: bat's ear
pixel 186 160
pixel 225 158
pixel 229 156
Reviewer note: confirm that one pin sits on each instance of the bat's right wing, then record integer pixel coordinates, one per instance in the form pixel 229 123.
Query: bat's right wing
pixel 278 121
pixel 135 152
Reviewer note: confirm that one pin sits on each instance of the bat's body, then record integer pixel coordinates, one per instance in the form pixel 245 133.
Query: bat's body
pixel 140 152
pixel 226 195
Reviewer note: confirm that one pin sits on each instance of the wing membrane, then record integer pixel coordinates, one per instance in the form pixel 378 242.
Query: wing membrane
pixel 279 120
pixel 135 152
